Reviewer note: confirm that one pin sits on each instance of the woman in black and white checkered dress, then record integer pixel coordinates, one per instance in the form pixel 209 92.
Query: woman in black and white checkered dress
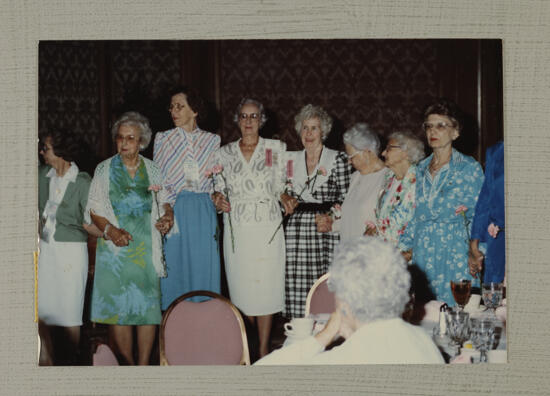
pixel 319 178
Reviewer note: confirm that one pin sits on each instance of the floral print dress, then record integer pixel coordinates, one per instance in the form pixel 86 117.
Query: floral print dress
pixel 126 286
pixel 437 235
pixel 396 204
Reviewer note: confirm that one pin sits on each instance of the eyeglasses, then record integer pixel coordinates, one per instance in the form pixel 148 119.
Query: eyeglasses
pixel 392 146
pixel 354 154
pixel 439 126
pixel 123 139
pixel 252 116
pixel 176 107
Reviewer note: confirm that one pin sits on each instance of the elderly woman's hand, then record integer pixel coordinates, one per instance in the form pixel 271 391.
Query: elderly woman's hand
pixel 407 255
pixel 370 231
pixel 289 203
pixel 324 222
pixel 165 223
pixel 331 330
pixel 119 236
pixel 220 202
pixel 475 259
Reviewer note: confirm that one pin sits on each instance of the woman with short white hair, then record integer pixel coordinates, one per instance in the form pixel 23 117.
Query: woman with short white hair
pixel 318 180
pixel 370 280
pixel 362 146
pixel 397 200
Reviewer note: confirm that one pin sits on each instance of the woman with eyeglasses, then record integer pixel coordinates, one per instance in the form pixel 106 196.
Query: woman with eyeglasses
pixel 362 147
pixel 319 181
pixel 184 154
pixel 397 199
pixel 447 188
pixel 248 191
pixel 124 204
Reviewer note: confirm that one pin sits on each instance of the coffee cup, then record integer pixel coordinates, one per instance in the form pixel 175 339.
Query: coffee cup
pixel 299 327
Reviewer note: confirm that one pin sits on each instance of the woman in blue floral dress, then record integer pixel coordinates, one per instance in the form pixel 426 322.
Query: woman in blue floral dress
pixel 126 199
pixel 438 234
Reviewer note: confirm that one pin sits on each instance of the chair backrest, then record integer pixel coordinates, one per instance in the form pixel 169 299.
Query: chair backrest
pixel 103 356
pixel 207 332
pixel 320 299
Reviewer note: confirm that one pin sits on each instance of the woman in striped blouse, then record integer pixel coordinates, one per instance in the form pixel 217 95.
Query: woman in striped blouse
pixel 184 154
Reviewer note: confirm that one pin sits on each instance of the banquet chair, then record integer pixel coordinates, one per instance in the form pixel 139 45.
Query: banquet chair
pixel 203 333
pixel 104 356
pixel 320 299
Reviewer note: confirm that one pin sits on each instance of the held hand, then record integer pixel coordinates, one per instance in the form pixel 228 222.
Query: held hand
pixel 220 202
pixel 289 203
pixel 165 223
pixel 119 236
pixel 475 261
pixel 407 255
pixel 370 231
pixel 324 222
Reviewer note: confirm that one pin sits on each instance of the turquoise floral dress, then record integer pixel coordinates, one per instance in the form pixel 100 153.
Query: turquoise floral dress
pixel 437 235
pixel 126 287
pixel 396 204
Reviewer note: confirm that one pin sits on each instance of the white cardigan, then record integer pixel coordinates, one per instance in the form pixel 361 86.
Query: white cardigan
pixel 100 204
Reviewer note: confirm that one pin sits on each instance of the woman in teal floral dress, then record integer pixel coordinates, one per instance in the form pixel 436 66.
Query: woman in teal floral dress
pixel 397 200
pixel 438 234
pixel 125 199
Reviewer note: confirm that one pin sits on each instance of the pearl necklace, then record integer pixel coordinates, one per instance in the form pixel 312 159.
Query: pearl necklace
pixel 132 168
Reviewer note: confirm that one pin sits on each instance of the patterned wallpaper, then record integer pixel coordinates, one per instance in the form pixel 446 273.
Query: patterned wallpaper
pixel 382 82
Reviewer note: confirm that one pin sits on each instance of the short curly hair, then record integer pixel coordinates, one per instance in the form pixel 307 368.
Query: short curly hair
pixel 259 105
pixel 194 100
pixel 410 144
pixel 65 144
pixel 371 276
pixel 310 111
pixel 362 137
pixel 134 118
pixel 447 108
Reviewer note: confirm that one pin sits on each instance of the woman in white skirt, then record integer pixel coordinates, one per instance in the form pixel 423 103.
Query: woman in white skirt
pixel 63 259
pixel 248 190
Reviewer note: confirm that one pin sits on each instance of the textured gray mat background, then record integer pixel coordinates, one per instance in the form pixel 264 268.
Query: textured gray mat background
pixel 524 27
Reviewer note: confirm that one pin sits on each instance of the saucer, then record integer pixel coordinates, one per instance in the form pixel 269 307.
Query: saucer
pixel 296 336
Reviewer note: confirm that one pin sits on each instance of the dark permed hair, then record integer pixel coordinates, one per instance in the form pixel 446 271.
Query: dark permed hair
pixel 446 108
pixel 66 144
pixel 194 100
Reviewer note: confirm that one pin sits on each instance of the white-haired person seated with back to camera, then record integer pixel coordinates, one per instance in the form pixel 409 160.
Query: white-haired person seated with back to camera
pixel 371 282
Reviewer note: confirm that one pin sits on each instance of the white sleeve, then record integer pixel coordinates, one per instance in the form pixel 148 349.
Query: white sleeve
pixel 300 352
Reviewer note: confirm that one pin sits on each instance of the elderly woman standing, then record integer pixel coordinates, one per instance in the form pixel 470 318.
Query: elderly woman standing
pixel 63 261
pixel 320 179
pixel 253 179
pixel 397 200
pixel 448 184
pixel 370 322
pixel 184 154
pixel 362 147
pixel 123 204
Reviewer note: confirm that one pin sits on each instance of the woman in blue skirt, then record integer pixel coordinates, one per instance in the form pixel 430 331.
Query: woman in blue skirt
pixel 184 154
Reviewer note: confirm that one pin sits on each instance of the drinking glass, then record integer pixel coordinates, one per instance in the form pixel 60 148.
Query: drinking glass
pixel 482 335
pixel 492 296
pixel 458 327
pixel 461 291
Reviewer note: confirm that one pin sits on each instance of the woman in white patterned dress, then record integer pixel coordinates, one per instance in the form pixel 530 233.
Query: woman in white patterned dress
pixel 252 182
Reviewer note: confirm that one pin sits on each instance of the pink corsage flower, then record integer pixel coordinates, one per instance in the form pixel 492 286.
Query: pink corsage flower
pixel 216 169
pixel 336 212
pixel 370 224
pixel 322 171
pixel 460 209
pixel 493 230
pixel 154 187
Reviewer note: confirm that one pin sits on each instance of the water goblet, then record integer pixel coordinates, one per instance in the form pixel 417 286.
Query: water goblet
pixel 458 327
pixel 461 291
pixel 482 335
pixel 491 293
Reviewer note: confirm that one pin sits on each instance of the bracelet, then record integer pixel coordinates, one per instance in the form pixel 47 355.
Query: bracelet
pixel 105 231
